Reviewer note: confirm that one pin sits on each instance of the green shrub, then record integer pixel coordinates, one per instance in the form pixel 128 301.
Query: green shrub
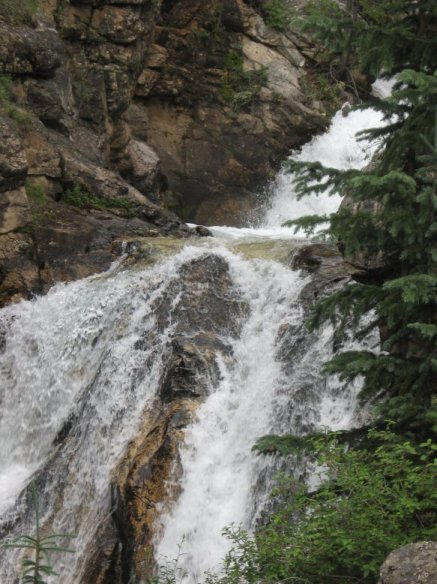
pixel 371 500
pixel 5 88
pixel 15 114
pixel 241 88
pixel 277 14
pixel 18 11
pixel 79 197
pixel 321 88
pixel 37 203
pixel 35 193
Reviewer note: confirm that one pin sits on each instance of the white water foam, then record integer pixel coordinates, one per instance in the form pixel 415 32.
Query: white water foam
pixel 219 466
pixel 73 352
pixel 337 148
pixel 220 471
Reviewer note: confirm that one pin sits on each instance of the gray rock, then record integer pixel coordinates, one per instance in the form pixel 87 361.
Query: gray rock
pixel 25 50
pixel 415 563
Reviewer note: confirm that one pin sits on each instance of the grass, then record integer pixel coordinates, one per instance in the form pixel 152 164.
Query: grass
pixel 18 11
pixel 17 115
pixel 80 198
pixel 277 14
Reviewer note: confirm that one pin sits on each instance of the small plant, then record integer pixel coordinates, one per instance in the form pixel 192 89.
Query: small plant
pixel 36 193
pixel 15 114
pixel 18 11
pixel 79 197
pixel 35 568
pixel 37 201
pixel 321 88
pixel 241 88
pixel 215 28
pixel 170 570
pixel 18 116
pixel 277 14
pixel 373 497
pixel 5 88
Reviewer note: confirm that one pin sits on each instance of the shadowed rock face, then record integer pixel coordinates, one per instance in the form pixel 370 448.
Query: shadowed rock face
pixel 218 134
pixel 143 105
pixel 72 77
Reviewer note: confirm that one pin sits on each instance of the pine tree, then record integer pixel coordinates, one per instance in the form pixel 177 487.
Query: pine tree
pixel 393 210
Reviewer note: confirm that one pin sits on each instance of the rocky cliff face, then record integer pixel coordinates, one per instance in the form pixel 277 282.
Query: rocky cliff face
pixel 221 100
pixel 111 112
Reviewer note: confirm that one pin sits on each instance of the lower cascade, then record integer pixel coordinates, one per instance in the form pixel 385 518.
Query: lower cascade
pixel 210 332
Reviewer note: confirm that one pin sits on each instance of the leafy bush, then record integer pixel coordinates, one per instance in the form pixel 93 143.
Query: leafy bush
pixel 5 88
pixel 277 13
pixel 18 11
pixel 78 197
pixel 35 193
pixel 370 501
pixel 17 115
pixel 241 88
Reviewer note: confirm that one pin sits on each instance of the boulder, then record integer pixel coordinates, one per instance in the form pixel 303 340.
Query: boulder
pixel 415 563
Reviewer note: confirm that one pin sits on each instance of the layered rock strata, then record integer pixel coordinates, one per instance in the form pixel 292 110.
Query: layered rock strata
pixel 111 112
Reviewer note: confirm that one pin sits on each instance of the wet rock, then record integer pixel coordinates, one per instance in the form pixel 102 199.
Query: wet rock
pixel 146 480
pixel 202 231
pixel 193 370
pixel 327 267
pixel 415 563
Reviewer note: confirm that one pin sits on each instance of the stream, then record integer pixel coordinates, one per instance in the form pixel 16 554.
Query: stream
pixel 81 365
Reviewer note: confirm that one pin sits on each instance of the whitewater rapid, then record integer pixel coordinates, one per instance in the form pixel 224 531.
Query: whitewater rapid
pixel 72 357
pixel 259 396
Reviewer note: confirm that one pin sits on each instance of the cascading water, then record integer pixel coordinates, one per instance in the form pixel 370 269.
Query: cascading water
pixel 75 381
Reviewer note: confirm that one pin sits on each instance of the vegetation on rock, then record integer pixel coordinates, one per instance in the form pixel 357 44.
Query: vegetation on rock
pixel 18 11
pixel 371 499
pixel 240 88
pixel 79 197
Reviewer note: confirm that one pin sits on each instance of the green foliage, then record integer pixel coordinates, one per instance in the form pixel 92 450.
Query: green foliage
pixel 36 568
pixel 79 197
pixel 36 193
pixel 37 203
pixel 215 28
pixel 277 13
pixel 15 114
pixel 370 501
pixel 5 88
pixel 380 35
pixel 307 223
pixel 391 219
pixel 18 11
pixel 170 569
pixel 241 88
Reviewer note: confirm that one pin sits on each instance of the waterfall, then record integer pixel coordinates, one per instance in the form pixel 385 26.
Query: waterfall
pixel 80 366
